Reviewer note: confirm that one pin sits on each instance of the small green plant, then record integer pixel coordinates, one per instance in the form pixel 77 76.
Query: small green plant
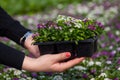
pixel 65 28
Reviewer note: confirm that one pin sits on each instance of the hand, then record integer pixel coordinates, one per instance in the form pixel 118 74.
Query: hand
pixel 50 63
pixel 33 49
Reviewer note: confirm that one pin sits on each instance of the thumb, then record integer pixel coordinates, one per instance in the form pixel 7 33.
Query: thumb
pixel 62 56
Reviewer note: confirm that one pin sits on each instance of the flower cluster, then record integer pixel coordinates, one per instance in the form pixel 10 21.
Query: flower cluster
pixel 66 28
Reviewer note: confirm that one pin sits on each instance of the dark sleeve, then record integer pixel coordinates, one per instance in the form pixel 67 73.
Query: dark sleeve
pixel 11 28
pixel 11 57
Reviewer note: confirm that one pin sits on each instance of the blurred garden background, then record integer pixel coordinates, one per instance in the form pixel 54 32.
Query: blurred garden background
pixel 104 64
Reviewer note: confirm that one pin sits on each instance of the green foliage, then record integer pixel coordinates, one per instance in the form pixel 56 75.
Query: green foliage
pixel 32 6
pixel 66 28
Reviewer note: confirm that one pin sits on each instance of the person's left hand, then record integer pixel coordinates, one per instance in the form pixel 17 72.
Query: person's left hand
pixel 33 49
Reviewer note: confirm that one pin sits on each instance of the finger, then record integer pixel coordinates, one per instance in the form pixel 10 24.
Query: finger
pixel 61 56
pixel 66 65
pixel 34 50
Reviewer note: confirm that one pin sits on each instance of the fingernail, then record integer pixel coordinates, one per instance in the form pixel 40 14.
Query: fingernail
pixel 68 54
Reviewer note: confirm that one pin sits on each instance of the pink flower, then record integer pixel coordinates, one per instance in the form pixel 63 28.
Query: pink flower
pixel 91 27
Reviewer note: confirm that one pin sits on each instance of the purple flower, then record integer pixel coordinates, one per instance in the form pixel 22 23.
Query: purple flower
pixel 50 23
pixel 105 53
pixel 100 24
pixel 5 69
pixel 118 61
pixel 106 4
pixel 103 45
pixel 24 75
pixel 15 79
pixel 68 23
pixel 25 17
pixel 116 79
pixel 118 25
pixel 85 76
pixel 93 71
pixel 118 48
pixel 102 37
pixel 41 26
pixel 85 20
pixel 112 54
pixel 56 27
pixel 96 55
pixel 109 54
pixel 49 73
pixel 60 28
pixel 91 27
pixel 5 39
pixel 117 39
pixel 34 74
pixel 35 35
pixel 111 35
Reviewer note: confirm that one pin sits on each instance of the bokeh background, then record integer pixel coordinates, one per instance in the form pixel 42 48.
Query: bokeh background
pixel 104 64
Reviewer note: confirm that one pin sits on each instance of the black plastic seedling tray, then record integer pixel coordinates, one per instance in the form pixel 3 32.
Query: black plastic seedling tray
pixel 84 48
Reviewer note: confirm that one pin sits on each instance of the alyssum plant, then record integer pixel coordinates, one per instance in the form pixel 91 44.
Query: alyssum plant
pixel 67 29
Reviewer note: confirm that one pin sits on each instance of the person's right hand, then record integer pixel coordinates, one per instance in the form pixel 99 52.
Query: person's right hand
pixel 50 63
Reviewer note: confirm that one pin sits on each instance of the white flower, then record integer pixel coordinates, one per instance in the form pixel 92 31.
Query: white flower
pixel 111 47
pixel 23 70
pixel 99 10
pixel 91 15
pixel 42 76
pixel 82 9
pixel 17 72
pixel 85 61
pixel 34 79
pixel 22 79
pixel 8 78
pixel 90 63
pixel 30 21
pixel 119 68
pixel 114 51
pixel 92 79
pixel 29 78
pixel 107 29
pixel 71 9
pixel 107 79
pixel 98 1
pixel 106 68
pixel 118 48
pixel 20 18
pixel 113 10
pixel 11 69
pixel 103 75
pixel 117 32
pixel 98 63
pixel 108 62
pixel 58 77
pixel 71 30
pixel 80 68
pixel 78 25
pixel 12 43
